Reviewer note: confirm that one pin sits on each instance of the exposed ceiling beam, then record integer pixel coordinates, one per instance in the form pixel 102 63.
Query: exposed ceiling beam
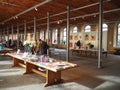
pixel 38 5
pixel 92 14
pixel 10 4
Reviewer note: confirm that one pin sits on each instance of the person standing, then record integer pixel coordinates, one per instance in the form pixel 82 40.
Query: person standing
pixel 78 44
pixel 37 46
pixel 43 48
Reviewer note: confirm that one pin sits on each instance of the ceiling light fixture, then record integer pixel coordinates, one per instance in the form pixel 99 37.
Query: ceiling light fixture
pixel 58 22
pixel 36 9
pixel 94 15
pixel 74 19
pixel 83 17
pixel 16 17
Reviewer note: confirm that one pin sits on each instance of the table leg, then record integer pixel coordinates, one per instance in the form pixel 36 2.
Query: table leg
pixel 29 67
pixel 52 77
pixel 15 62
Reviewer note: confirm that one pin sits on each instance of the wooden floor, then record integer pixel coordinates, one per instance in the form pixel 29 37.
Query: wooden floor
pixel 85 77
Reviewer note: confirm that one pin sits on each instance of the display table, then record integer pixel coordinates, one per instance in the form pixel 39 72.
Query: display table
pixel 117 51
pixel 52 68
pixel 5 50
pixel 88 52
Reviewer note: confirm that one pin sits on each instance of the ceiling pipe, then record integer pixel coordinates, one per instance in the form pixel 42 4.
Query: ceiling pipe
pixel 32 8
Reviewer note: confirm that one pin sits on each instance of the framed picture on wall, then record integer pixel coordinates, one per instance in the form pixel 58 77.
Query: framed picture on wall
pixel 70 44
pixel 93 35
pixel 76 38
pixel 86 36
pixel 71 37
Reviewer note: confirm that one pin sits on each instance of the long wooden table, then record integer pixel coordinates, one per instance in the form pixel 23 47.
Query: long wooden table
pixel 88 52
pixel 5 50
pixel 52 71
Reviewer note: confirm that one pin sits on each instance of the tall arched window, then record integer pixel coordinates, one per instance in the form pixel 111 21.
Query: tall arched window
pixel 105 27
pixel 42 35
pixel 118 36
pixel 87 28
pixel 75 29
pixel 63 36
pixel 55 36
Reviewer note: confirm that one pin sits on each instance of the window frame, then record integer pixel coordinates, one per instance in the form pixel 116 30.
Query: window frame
pixel 42 35
pixel 75 29
pixel 104 27
pixel 87 28
pixel 55 35
pixel 64 36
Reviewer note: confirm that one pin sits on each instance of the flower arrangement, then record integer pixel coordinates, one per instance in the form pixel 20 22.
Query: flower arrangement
pixel 28 43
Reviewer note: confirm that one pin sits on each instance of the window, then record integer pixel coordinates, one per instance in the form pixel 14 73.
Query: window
pixel 63 36
pixel 75 29
pixel 118 36
pixel 105 27
pixel 55 36
pixel 88 28
pixel 42 35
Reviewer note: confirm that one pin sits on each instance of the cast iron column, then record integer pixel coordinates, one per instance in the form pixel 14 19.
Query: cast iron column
pixel 48 30
pixel 100 34
pixel 17 36
pixel 12 34
pixel 7 33
pixel 25 29
pixel 68 32
pixel 34 38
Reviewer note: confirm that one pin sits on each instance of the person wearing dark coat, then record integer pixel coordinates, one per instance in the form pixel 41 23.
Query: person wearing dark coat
pixel 78 43
pixel 43 48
